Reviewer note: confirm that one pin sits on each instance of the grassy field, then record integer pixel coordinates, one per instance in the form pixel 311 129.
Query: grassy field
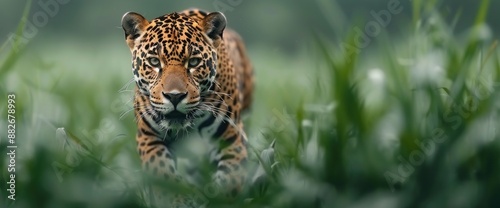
pixel 410 122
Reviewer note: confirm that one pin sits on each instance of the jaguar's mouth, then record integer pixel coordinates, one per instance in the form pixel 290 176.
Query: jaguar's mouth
pixel 177 120
pixel 176 117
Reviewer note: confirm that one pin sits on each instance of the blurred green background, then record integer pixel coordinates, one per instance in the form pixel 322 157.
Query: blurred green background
pixel 349 120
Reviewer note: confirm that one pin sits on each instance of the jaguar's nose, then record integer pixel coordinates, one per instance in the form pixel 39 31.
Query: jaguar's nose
pixel 175 97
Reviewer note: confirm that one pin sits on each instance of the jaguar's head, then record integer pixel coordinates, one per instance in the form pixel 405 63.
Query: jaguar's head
pixel 174 61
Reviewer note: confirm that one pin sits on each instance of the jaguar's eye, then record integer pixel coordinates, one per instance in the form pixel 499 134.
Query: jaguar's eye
pixel 154 62
pixel 193 62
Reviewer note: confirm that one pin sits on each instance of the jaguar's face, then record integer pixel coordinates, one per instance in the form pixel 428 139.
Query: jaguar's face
pixel 174 62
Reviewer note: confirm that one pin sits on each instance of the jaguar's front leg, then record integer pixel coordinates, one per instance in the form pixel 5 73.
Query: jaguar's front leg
pixel 159 162
pixel 230 158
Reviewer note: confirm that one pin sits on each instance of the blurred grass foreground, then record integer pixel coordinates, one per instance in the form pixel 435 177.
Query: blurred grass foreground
pixel 412 123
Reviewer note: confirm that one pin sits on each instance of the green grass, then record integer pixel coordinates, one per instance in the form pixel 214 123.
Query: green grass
pixel 412 123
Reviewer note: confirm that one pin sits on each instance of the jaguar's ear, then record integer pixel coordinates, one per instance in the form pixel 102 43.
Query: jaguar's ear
pixel 214 25
pixel 133 25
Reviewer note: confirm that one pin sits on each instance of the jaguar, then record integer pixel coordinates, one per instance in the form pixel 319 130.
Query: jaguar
pixel 192 75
